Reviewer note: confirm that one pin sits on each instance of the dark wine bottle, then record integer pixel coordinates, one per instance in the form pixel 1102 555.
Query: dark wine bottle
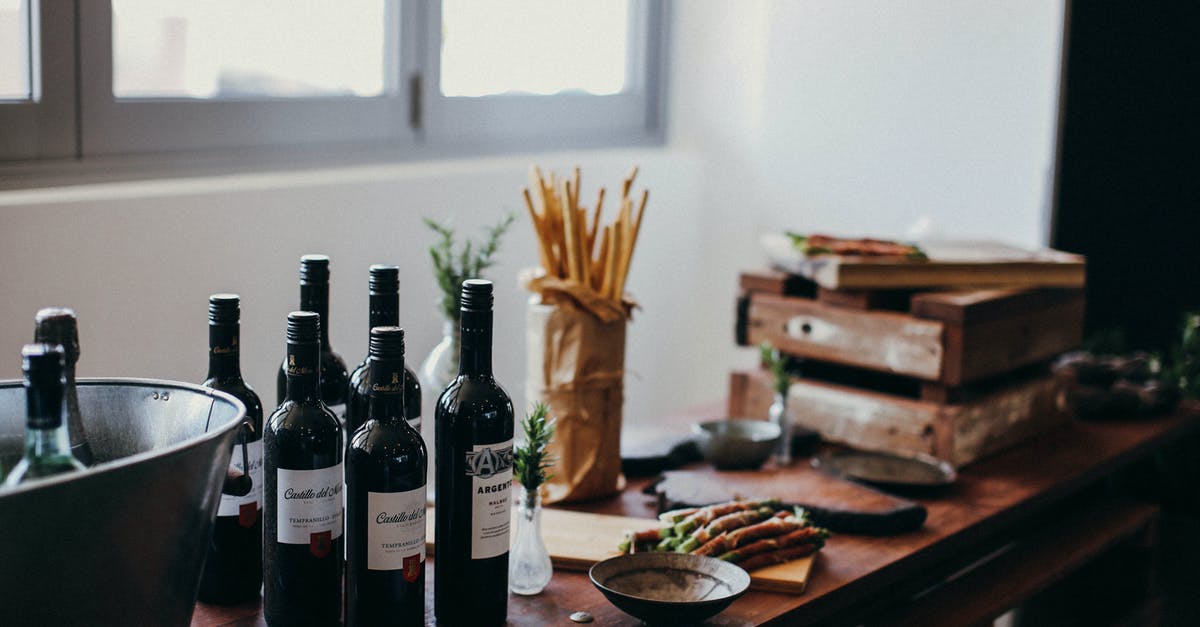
pixel 57 326
pixel 47 449
pixel 302 445
pixel 384 286
pixel 233 568
pixel 385 483
pixel 314 297
pixel 473 424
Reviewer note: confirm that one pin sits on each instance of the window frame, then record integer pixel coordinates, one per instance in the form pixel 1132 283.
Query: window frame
pixel 44 127
pixel 632 116
pixel 81 118
pixel 111 126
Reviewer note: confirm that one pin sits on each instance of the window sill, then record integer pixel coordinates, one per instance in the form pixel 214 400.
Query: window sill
pixel 302 161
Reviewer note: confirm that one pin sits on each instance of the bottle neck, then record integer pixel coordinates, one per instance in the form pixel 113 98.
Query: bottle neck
pixel 43 442
pixel 384 312
pixel 224 350
pixel 475 355
pixel 314 297
pixel 303 371
pixel 387 390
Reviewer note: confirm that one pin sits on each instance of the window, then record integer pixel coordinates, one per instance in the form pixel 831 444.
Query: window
pixel 403 76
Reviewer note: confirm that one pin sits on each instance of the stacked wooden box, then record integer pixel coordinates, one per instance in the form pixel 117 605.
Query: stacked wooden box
pixel 953 374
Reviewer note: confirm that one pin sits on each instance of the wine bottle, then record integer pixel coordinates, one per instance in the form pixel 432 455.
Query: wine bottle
pixel 47 448
pixel 57 325
pixel 384 286
pixel 314 297
pixel 474 438
pixel 385 484
pixel 302 445
pixel 233 568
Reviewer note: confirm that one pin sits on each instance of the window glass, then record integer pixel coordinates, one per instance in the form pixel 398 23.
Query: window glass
pixel 14 50
pixel 534 47
pixel 229 49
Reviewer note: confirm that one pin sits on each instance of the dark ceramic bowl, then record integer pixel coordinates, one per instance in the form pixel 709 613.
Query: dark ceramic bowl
pixel 669 588
pixel 736 443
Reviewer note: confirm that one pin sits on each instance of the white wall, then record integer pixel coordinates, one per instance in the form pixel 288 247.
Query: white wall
pixel 138 260
pixel 863 117
pixel 854 117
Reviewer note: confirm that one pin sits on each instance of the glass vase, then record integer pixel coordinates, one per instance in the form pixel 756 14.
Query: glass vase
pixel 779 415
pixel 529 567
pixel 436 372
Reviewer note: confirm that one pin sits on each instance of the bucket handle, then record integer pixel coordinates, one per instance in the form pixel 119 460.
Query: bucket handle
pixel 239 483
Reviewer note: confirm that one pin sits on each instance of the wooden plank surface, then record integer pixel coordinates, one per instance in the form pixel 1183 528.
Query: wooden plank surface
pixel 991 500
pixel 1030 567
pixel 858 418
pixel 959 434
pixel 883 341
pixel 577 540
pixel 950 264
pixel 966 307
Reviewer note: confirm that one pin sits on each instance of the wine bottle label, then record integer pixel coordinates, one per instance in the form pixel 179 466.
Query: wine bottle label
pixel 396 531
pixel 309 503
pixel 490 469
pixel 246 507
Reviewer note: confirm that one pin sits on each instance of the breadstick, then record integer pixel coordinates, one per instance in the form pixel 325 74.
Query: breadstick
pixel 570 236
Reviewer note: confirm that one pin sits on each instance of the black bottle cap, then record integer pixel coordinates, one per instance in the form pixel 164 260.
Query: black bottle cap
pixel 303 326
pixel 44 372
pixel 384 279
pixel 387 343
pixel 57 325
pixel 224 309
pixel 477 295
pixel 314 269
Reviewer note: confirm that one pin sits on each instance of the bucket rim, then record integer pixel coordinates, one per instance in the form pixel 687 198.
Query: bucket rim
pixel 116 465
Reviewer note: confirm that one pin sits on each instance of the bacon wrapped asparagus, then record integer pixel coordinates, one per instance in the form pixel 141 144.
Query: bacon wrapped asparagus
pixel 728 522
pixel 752 533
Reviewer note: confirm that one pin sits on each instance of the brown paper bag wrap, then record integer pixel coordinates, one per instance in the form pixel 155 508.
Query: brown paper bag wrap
pixel 576 365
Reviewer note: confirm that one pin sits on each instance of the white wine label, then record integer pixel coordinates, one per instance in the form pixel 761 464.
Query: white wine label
pixel 490 468
pixel 245 507
pixel 310 508
pixel 396 531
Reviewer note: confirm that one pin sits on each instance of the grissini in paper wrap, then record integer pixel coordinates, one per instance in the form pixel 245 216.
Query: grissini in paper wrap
pixel 577 366
pixel 575 333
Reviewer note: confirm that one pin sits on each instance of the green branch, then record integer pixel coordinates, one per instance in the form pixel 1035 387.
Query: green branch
pixel 451 267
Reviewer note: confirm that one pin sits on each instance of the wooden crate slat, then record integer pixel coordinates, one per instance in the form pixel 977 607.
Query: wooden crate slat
pixel 840 414
pixel 1000 420
pixel 965 307
pixel 956 433
pixel 886 341
pixel 1003 344
pixel 775 282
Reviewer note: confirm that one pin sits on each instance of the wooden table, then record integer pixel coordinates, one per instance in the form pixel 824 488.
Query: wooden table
pixel 994 502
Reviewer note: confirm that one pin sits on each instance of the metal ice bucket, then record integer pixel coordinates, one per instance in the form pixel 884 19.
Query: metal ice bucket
pixel 123 542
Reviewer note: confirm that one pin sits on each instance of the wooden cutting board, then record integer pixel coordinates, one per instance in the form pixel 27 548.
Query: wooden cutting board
pixel 950 264
pixel 576 540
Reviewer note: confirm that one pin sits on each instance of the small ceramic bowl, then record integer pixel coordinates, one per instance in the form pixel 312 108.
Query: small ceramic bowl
pixel 736 443
pixel 669 588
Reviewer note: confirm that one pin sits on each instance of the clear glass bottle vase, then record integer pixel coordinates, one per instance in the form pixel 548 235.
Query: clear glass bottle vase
pixel 779 415
pixel 529 567
pixel 436 372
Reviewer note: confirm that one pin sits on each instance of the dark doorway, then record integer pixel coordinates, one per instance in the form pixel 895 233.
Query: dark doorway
pixel 1128 185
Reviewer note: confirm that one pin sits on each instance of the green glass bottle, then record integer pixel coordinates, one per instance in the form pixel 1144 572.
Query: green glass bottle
pixel 47 447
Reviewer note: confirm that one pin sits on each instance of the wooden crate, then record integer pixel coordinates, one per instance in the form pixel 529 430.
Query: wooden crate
pixel 946 339
pixel 998 416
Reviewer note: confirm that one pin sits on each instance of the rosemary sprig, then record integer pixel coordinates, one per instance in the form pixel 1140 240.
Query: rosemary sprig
pixel 451 267
pixel 777 364
pixel 531 459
